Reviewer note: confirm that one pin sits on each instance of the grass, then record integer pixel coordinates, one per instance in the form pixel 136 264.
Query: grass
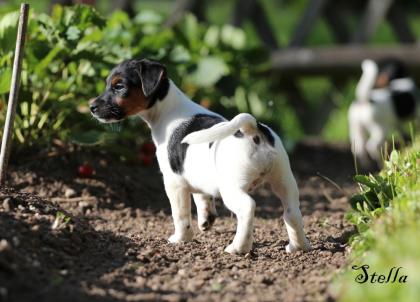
pixel 387 216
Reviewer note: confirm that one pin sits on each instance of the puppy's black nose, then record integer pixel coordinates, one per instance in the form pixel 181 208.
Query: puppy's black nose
pixel 93 108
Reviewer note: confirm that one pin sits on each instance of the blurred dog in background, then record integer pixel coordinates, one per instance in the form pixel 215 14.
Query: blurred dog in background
pixel 385 97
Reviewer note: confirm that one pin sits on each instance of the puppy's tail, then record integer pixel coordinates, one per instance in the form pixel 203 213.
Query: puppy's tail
pixel 243 121
pixel 367 80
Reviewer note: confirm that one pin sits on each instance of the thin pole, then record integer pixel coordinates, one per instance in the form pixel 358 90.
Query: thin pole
pixel 14 91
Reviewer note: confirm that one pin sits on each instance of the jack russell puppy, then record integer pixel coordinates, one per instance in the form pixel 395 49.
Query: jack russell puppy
pixel 202 154
pixel 385 97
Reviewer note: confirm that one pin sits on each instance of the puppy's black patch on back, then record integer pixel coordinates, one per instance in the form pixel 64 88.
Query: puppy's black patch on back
pixel 267 133
pixel 404 103
pixel 176 150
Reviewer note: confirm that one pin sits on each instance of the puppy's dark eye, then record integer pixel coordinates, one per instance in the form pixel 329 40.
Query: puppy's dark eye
pixel 119 87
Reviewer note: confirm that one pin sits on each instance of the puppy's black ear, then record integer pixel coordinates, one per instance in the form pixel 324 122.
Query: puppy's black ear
pixel 151 75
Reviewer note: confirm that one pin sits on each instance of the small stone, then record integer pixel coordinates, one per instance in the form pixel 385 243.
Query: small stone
pixel 64 272
pixel 36 263
pixel 182 272
pixel 69 192
pixel 3 293
pixel 21 207
pixel 6 204
pixel 141 281
pixel 4 246
pixel 16 241
pixel 35 227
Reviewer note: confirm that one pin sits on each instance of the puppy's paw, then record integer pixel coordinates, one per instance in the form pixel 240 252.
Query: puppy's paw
pixel 290 248
pixel 178 238
pixel 206 222
pixel 238 250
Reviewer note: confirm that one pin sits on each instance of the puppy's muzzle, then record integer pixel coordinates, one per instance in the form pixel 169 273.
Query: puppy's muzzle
pixel 94 109
pixel 93 106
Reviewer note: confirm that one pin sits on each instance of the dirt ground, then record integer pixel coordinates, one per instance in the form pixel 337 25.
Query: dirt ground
pixel 66 238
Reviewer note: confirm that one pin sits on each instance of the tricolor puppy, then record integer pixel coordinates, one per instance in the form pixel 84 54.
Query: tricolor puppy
pixel 201 153
pixel 385 97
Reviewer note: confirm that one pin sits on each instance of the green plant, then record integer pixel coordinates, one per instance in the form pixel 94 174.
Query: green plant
pixel 69 54
pixel 60 221
pixel 387 215
pixel 59 61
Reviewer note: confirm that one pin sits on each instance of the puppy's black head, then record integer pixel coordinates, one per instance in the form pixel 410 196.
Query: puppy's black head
pixel 131 87
pixel 390 69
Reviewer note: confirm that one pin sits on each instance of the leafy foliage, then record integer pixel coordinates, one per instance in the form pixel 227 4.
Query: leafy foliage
pixel 59 60
pixel 387 216
pixel 69 54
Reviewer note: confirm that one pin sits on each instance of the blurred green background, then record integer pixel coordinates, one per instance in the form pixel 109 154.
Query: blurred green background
pixel 68 51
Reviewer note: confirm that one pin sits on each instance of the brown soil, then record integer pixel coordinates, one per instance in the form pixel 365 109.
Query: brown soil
pixel 66 238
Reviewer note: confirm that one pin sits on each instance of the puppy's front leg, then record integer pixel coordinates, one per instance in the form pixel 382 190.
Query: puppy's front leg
pixel 180 200
pixel 206 211
pixel 243 206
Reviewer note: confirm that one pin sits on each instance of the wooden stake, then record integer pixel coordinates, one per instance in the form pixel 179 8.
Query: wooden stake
pixel 14 91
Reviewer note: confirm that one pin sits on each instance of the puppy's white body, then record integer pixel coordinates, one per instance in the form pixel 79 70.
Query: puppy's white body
pixel 230 169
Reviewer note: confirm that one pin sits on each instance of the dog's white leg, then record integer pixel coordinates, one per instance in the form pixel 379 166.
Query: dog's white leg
pixel 284 186
pixel 358 137
pixel 180 200
pixel 206 211
pixel 376 142
pixel 243 206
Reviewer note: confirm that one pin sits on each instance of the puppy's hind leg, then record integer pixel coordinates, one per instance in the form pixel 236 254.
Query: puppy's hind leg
pixel 376 142
pixel 243 206
pixel 284 186
pixel 357 133
pixel 180 200
pixel 206 211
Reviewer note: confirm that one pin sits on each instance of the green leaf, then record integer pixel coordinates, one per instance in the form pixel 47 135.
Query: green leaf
pixel 356 200
pixel 43 119
pixel 258 108
pixel 209 71
pixel 7 21
pixel 211 37
pixel 8 31
pixel 394 157
pixel 148 17
pixel 73 33
pixel 364 180
pixel 48 59
pixel 232 36
pixel 241 99
pixel 5 80
pixel 191 31
pixel 24 109
pixel 372 200
pixel 180 54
